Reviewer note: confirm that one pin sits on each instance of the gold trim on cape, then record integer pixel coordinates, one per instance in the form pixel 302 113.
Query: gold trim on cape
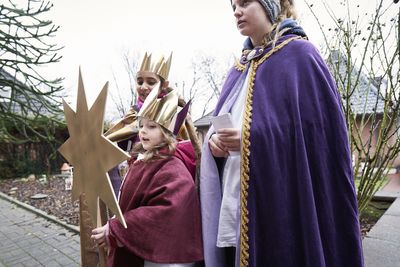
pixel 245 154
pixel 239 66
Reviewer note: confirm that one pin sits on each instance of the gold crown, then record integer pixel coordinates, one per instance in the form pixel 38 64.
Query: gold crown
pixel 161 67
pixel 165 110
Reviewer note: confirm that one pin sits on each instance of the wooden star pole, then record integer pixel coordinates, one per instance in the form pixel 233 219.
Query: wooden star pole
pixel 92 156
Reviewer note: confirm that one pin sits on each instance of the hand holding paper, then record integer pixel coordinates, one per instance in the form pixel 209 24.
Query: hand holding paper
pixel 228 136
pixel 222 121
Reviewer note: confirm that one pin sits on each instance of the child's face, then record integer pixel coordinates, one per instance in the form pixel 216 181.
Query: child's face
pixel 150 133
pixel 145 82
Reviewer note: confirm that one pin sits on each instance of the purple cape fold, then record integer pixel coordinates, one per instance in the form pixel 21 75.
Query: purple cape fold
pixel 301 202
pixel 180 118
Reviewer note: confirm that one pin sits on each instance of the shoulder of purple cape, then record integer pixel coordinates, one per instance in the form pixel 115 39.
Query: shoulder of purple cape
pixel 297 52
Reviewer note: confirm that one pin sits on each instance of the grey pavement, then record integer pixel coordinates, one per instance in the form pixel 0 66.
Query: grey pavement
pixel 30 239
pixel 382 243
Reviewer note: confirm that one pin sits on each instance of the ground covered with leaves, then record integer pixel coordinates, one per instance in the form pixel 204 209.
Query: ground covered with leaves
pixel 59 203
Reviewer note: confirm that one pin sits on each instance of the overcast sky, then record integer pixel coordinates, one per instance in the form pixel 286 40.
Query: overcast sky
pixel 95 35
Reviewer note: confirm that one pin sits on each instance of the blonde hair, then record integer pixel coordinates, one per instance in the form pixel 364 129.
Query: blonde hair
pixel 287 11
pixel 169 144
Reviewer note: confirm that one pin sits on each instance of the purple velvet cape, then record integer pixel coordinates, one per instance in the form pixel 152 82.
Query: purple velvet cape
pixel 301 201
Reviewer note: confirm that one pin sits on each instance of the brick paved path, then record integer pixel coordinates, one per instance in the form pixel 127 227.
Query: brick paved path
pixel 27 239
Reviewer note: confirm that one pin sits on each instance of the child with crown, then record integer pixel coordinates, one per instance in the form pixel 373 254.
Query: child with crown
pixel 158 196
pixel 125 131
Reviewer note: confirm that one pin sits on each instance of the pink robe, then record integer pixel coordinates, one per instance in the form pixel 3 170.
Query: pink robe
pixel 160 204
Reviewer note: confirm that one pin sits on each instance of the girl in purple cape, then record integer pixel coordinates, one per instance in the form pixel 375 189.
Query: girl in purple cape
pixel 288 197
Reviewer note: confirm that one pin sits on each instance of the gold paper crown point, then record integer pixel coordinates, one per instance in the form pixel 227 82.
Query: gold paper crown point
pixel 161 67
pixel 146 63
pixel 167 66
pixel 161 110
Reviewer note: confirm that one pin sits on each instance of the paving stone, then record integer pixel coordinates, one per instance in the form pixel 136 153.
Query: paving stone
pixel 10 247
pixel 387 229
pixel 12 254
pixel 63 260
pixel 39 254
pixel 20 260
pixel 30 240
pixel 52 263
pixel 394 209
pixel 68 250
pixel 36 242
pixel 380 253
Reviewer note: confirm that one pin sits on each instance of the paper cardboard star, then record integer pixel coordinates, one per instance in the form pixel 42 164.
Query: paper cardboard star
pixel 91 154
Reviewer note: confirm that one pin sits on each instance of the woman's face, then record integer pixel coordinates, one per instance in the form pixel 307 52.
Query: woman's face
pixel 251 20
pixel 145 82
pixel 150 134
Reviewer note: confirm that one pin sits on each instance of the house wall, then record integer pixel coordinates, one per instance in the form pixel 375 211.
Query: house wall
pixel 365 137
pixel 366 131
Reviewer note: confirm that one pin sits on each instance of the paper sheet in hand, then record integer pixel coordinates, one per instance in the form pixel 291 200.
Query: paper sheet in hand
pixel 222 121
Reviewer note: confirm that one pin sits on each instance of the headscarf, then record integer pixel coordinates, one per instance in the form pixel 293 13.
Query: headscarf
pixel 272 7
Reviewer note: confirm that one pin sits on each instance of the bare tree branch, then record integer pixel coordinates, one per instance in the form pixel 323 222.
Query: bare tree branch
pixel 364 60
pixel 29 102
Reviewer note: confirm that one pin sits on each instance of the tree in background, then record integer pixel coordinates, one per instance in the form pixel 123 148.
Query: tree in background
pixel 124 98
pixel 202 85
pixel 205 83
pixel 363 53
pixel 29 102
